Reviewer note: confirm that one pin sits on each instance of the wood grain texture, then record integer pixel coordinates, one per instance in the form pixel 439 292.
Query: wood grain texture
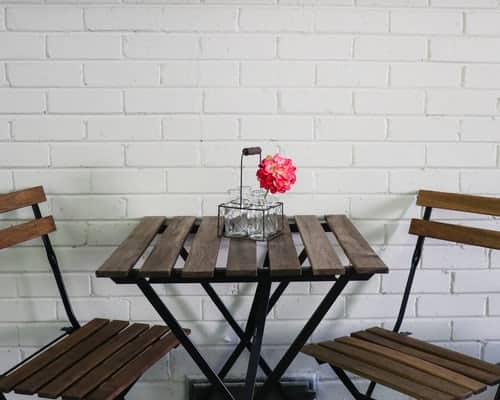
pixel 8 382
pixel 456 233
pixel 459 202
pixel 242 258
pixel 163 258
pixel 23 232
pixel 283 258
pixel 319 250
pixel 202 258
pixel 21 198
pixel 356 248
pixel 123 259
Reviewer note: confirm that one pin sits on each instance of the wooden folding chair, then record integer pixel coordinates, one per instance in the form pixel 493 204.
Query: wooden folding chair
pixel 410 366
pixel 98 361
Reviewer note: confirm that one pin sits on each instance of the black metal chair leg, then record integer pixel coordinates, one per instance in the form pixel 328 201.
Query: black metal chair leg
pixel 497 395
pixel 349 385
pixel 371 388
pixel 2 397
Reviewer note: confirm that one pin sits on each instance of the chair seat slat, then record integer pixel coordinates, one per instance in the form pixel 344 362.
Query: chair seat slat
pixel 459 202
pixel 23 232
pixel 21 198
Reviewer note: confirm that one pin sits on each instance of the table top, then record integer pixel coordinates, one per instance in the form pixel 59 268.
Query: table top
pixel 282 259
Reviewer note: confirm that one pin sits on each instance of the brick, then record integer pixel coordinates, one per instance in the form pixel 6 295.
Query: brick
pixel 201 180
pixel 200 128
pixel 25 310
pixel 3 75
pixel 69 101
pixel 473 49
pixel 478 281
pixel 240 306
pixel 426 22
pixel 9 357
pixel 21 46
pixel 184 308
pixel 423 129
pixel 319 47
pixel 124 128
pixel 16 101
pixel 456 257
pixel 276 19
pixel 200 73
pixel 162 154
pixel 201 19
pixel 281 74
pixel 55 181
pixel 88 309
pixel 125 18
pixel 45 74
pixel 482 76
pixel 410 181
pixel 352 74
pixel 84 46
pixel 386 207
pixel 479 129
pixel 44 18
pixel 376 306
pixel 352 181
pixel 483 23
pixel 465 3
pixel 393 3
pixel 318 154
pixel 8 286
pixel 5 129
pixel 481 181
pixel 159 46
pixel 168 205
pixel 121 74
pixel 371 286
pixel 239 47
pixel 47 128
pixel 240 101
pixel 475 329
pixel 128 181
pixel 425 282
pixel 44 285
pixel 2 19
pixel 70 234
pixel 350 128
pixel 451 305
pixel 163 100
pixel 24 155
pixel 338 101
pixel 294 307
pixel 211 152
pixel 109 234
pixel 87 155
pixel 494 304
pixel 464 102
pixel 426 75
pixel 351 20
pixel 277 128
pixel 461 155
pixel 390 48
pixel 389 102
pixel 85 207
pixel 6 183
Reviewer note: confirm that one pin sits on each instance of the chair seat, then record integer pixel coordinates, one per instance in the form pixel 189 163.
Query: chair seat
pixel 413 367
pixel 96 362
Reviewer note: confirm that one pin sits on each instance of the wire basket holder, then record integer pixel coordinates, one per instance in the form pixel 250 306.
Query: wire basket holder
pixel 240 218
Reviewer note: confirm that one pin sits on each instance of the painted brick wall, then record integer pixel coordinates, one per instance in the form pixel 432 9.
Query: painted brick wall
pixel 133 107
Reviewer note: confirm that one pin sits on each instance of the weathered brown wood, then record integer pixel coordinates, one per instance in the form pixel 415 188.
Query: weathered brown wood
pixel 202 258
pixel 439 351
pixel 360 254
pixel 23 232
pixel 474 373
pixel 70 358
pixel 451 376
pixel 456 233
pixel 459 202
pixel 319 250
pixel 21 198
pixel 8 382
pixel 123 259
pixel 416 390
pixel 242 258
pixel 106 369
pixel 133 370
pixel 54 389
pixel 403 370
pixel 162 259
pixel 283 259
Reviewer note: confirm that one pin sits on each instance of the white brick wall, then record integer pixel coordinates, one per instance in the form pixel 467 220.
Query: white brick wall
pixel 122 108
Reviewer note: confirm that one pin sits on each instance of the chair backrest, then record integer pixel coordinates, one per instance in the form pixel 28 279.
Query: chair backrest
pixel 26 231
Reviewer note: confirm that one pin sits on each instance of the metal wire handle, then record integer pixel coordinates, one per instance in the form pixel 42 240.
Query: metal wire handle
pixel 247 151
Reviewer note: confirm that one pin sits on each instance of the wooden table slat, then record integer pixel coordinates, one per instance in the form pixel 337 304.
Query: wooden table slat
pixel 242 258
pixel 162 259
pixel 123 259
pixel 283 258
pixel 322 256
pixel 202 258
pixel 358 251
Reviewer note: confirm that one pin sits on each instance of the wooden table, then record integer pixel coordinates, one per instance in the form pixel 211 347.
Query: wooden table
pixel 282 264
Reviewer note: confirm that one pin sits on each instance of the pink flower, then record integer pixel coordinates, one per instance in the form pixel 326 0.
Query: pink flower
pixel 276 174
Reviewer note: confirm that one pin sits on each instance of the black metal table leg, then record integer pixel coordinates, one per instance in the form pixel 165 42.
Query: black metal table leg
pixel 304 335
pixel 349 385
pixel 179 333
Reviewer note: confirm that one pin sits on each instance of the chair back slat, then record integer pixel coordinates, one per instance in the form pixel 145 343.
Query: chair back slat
pixel 23 232
pixel 459 202
pixel 456 233
pixel 21 198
